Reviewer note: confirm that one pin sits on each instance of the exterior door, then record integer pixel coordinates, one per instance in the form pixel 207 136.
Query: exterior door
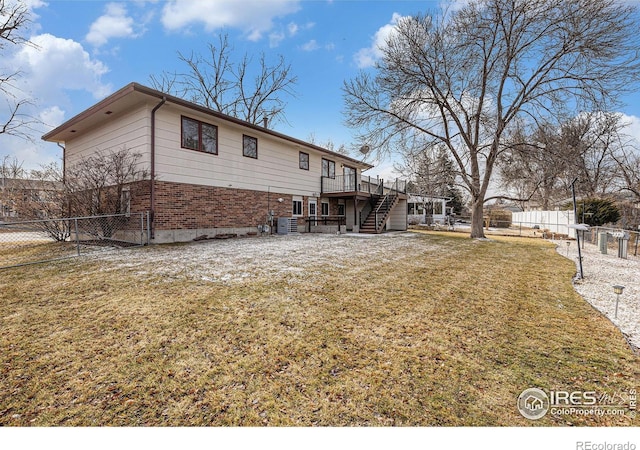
pixel 313 211
pixel 349 178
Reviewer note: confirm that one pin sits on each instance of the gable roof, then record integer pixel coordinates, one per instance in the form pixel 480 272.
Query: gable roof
pixel 134 93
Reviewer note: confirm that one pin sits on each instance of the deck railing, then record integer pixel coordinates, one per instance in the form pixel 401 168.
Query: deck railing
pixel 324 220
pixel 369 185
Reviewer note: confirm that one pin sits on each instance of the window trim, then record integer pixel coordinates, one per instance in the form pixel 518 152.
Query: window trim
pixel 295 200
pixel 244 138
pixel 322 203
pixel 300 160
pixel 200 140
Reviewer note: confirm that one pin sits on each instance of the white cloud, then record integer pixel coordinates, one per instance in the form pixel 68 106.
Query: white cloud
pixel 310 46
pixel 51 117
pixel 115 23
pixel 293 28
pixel 275 38
pixel 253 17
pixel 632 127
pixel 49 70
pixel 55 64
pixel 366 57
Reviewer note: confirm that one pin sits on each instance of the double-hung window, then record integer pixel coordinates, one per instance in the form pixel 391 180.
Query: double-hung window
pixel 199 136
pixel 297 206
pixel 325 208
pixel 304 160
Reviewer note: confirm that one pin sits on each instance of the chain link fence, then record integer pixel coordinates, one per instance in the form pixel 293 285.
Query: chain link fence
pixel 36 241
pixel 549 230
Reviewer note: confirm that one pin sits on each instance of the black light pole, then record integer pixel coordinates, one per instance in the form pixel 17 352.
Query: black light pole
pixel 575 218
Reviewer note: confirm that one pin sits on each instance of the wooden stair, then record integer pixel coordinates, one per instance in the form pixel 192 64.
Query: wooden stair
pixel 384 205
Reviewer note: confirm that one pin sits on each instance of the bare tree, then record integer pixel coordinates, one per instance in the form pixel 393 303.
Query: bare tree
pixel 591 141
pixel 532 166
pixel 541 166
pixel 329 145
pixel 465 78
pixel 246 89
pixel 14 17
pixel 431 173
pixel 101 183
pixel 41 196
pixel 628 165
pixel 11 168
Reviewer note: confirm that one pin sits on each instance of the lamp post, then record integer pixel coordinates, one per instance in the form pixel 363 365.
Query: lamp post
pixel 617 289
pixel 575 219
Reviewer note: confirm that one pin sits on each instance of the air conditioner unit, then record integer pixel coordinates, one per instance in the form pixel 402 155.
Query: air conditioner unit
pixel 287 225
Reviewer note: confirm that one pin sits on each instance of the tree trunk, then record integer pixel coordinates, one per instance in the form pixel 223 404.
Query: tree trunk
pixel 477 219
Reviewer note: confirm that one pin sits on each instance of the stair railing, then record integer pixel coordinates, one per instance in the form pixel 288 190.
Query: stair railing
pixel 386 202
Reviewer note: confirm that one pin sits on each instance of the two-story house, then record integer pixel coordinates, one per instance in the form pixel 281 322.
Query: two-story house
pixel 214 174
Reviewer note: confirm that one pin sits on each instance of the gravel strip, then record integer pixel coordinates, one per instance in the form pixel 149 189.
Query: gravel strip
pixel 601 272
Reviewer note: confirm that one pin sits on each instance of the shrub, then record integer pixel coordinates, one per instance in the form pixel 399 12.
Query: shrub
pixel 598 211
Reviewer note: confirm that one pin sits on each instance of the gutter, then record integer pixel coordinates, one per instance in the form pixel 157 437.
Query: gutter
pixel 153 165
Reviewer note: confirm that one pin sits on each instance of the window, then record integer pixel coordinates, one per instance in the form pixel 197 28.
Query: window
pixel 125 201
pixel 297 206
pixel 325 208
pixel 328 168
pixel 249 147
pixel 199 136
pixel 304 160
pixel 341 209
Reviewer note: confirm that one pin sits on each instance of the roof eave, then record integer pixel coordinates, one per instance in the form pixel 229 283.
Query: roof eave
pixel 136 87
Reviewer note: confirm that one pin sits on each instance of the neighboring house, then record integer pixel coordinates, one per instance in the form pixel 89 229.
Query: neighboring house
pixel 214 174
pixel 26 199
pixel 427 210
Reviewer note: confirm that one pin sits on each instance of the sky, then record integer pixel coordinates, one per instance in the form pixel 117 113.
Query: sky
pixel 86 50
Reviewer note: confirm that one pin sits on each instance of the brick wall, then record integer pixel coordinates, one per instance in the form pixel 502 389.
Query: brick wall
pixel 187 206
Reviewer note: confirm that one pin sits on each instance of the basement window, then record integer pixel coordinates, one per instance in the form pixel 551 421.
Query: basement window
pixel 297 206
pixel 325 208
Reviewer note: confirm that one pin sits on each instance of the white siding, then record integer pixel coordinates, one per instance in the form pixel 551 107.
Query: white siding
pixel 398 217
pixel 276 168
pixel 131 131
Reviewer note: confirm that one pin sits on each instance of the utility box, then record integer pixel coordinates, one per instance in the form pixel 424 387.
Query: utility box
pixel 287 225
pixel 603 240
pixel 623 245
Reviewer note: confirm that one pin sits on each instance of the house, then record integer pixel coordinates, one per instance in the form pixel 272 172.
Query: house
pixel 533 403
pixel 427 210
pixel 212 174
pixel 25 199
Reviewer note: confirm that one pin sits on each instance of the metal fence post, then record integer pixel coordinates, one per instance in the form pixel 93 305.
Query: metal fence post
pixel 77 235
pixel 148 228
pixel 141 229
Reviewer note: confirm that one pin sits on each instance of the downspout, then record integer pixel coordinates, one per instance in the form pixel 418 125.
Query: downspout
pixel 64 178
pixel 153 166
pixel 64 161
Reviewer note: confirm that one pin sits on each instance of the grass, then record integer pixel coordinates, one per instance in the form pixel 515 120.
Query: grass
pixel 449 335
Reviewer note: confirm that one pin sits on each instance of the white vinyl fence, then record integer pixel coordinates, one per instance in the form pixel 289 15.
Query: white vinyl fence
pixel 554 221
